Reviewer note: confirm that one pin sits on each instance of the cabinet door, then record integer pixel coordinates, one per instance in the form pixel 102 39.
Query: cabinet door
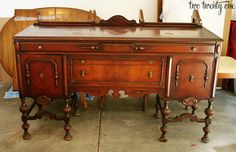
pixel 42 75
pixel 192 77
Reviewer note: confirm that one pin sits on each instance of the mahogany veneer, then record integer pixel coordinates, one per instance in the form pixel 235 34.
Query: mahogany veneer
pixel 118 57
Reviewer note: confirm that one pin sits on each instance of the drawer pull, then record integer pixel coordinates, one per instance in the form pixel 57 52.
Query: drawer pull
pixel 150 74
pixel 41 75
pixel 40 47
pixel 139 48
pixel 193 49
pixel 93 47
pixel 82 73
pixel 83 61
pixel 191 78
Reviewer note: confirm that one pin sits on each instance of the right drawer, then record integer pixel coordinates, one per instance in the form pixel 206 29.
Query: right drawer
pixel 176 48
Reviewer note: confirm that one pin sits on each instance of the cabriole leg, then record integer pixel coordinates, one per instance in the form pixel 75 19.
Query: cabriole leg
pixel 24 109
pixel 209 112
pixel 165 112
pixel 67 126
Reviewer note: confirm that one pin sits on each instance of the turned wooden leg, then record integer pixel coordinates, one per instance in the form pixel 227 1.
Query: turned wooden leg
pixel 67 125
pixel 82 100
pixel 24 109
pixel 186 108
pixel 101 102
pixel 145 100
pixel 194 108
pixel 209 112
pixel 165 112
pixel 74 105
pixel 157 106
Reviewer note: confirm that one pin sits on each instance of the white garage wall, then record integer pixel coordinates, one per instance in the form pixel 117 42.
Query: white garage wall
pixel 174 10
pixel 179 11
pixel 104 8
pixel 234 12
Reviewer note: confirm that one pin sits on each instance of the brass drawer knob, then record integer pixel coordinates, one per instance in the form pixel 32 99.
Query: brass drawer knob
pixel 150 74
pixel 191 78
pixel 82 73
pixel 40 47
pixel 83 61
pixel 193 49
pixel 41 75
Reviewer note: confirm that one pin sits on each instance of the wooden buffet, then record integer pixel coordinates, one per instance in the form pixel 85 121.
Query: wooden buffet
pixel 118 57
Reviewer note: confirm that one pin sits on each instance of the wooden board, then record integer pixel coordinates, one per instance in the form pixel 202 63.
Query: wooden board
pixel 227 68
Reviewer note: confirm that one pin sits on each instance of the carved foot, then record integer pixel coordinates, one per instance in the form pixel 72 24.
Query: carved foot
pixel 205 139
pixel 164 131
pixel 165 112
pixel 24 109
pixel 67 126
pixel 209 112
pixel 26 135
pixel 67 136
pixel 75 113
pixel 162 139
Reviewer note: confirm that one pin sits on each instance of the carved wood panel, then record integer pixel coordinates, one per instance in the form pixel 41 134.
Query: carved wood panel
pixel 42 75
pixel 191 77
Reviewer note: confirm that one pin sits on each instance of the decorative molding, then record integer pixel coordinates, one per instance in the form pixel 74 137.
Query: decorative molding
pixel 177 75
pixel 43 100
pixel 117 20
pixel 122 94
pixel 190 101
pixel 196 18
pixel 162 71
pixel 183 116
pixel 17 45
pixel 141 16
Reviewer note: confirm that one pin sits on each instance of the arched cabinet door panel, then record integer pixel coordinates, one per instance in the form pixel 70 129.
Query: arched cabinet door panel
pixel 192 77
pixel 42 75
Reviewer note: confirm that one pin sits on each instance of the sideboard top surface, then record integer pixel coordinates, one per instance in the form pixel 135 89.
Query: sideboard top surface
pixel 104 33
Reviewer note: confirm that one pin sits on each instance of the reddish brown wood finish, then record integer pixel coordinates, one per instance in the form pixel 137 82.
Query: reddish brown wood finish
pixel 119 57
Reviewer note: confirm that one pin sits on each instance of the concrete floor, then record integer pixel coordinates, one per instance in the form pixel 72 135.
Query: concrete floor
pixel 120 127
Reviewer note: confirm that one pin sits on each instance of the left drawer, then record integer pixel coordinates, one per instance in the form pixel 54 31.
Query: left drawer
pixel 57 46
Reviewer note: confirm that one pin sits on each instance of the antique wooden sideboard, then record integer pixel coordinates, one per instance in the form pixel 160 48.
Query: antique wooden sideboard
pixel 118 57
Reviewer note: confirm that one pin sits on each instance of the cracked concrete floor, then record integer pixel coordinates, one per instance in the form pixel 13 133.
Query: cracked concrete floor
pixel 121 127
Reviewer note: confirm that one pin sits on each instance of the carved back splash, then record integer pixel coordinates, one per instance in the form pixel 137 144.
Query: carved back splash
pixel 117 20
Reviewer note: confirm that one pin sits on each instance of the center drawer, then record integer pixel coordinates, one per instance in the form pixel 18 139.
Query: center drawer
pixel 91 47
pixel 117 71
